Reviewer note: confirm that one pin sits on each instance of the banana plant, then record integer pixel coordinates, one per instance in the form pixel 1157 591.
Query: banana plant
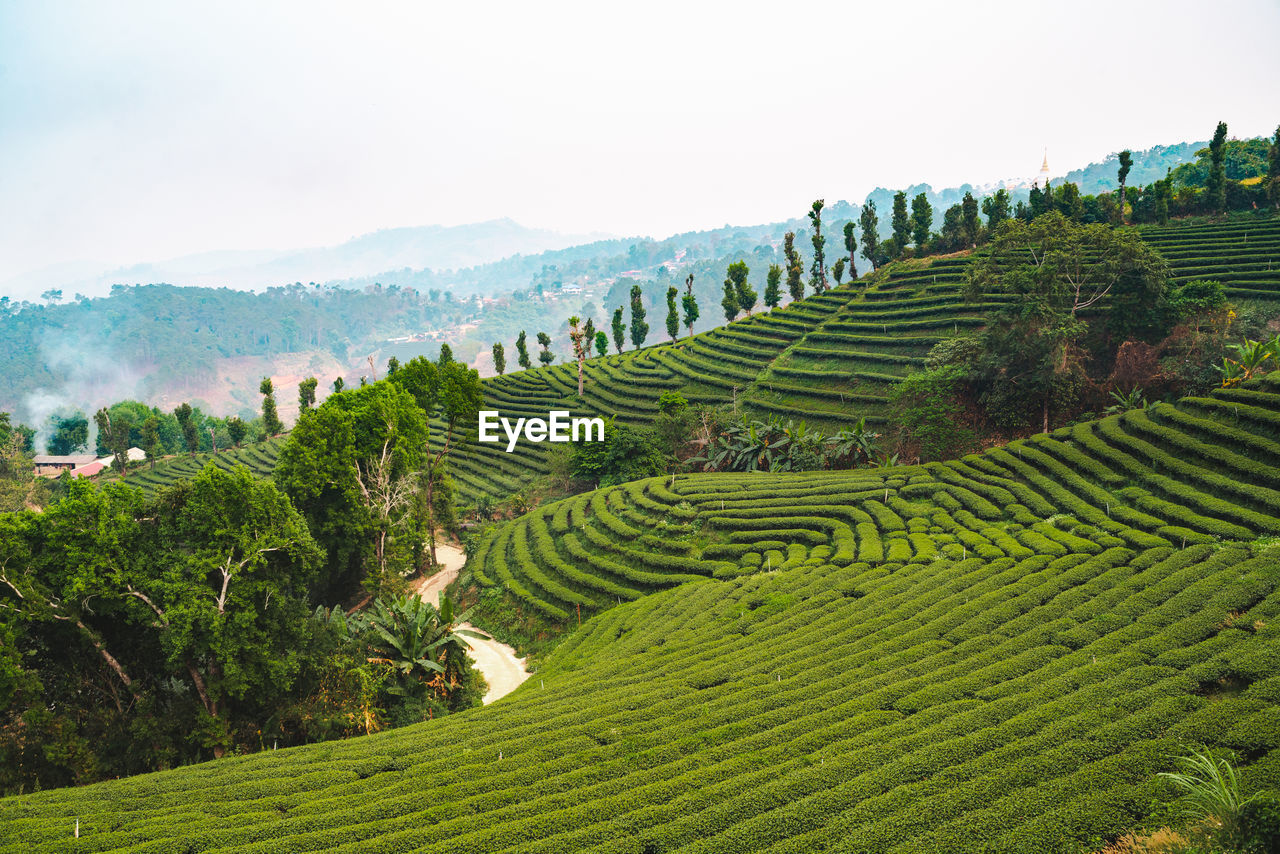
pixel 420 641
pixel 1125 401
pixel 1253 356
pixel 854 445
pixel 1232 372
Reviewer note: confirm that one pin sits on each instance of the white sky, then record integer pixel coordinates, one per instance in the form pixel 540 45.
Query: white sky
pixel 137 131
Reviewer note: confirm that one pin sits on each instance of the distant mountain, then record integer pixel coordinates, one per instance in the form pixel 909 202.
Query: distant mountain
pixel 432 247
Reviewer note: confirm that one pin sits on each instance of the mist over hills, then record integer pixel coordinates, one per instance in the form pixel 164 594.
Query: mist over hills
pixel 435 247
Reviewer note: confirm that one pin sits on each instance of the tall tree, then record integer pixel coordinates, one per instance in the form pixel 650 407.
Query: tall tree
pixel 870 223
pixel 851 249
pixel 446 355
pixel 545 356
pixel 619 329
pixel 1126 163
pixel 639 329
pixel 1215 185
pixel 996 207
pixel 729 302
pixel 393 365
pixel 818 271
pixel 742 290
pixel 921 221
pixel 837 270
pixel 901 224
pixel 237 429
pixel 151 438
pixel 117 431
pixel 187 424
pixel 522 351
pixel 1273 170
pixel 581 347
pixel 673 314
pixel 773 286
pixel 795 267
pixel 602 343
pixel 590 329
pixel 338 384
pixel 689 304
pixel 499 358
pixel 969 220
pixel 270 417
pixel 307 392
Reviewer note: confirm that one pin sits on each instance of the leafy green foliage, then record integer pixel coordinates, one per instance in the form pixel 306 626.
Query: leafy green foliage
pixel 625 454
pixel 928 417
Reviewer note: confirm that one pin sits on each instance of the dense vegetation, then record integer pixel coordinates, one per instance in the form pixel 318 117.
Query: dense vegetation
pixel 1000 651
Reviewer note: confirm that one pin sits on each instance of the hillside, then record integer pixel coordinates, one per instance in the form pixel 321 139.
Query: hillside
pixel 828 359
pixel 1000 652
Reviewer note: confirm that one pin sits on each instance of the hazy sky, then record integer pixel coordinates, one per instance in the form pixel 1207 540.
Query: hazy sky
pixel 137 131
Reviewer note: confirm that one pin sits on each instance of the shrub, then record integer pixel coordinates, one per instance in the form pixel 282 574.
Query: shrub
pixel 929 416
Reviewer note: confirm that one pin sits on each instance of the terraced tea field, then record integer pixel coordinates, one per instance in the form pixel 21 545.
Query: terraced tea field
pixel 998 653
pixel 260 458
pixel 828 359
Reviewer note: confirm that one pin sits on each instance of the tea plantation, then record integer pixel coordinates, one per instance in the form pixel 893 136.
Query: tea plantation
pixel 828 359
pixel 259 458
pixel 997 653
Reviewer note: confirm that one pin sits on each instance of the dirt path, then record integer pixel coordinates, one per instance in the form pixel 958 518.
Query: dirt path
pixel 498 662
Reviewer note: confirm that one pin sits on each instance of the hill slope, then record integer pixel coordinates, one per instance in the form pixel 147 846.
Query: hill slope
pixel 998 652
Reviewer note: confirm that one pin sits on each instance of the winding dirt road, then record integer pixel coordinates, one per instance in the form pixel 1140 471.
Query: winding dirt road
pixel 498 662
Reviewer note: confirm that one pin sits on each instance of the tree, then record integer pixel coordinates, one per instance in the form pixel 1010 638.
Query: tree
pixel 969 222
pixel 773 285
pixel 921 221
pixel 68 433
pixel 837 270
pixel 795 267
pixel 673 315
pixel 901 224
pixel 1164 193
pixel 393 365
pixel 522 351
pixel 446 355
pixel 545 356
pixel 743 292
pixel 307 390
pixel 996 208
pixel 851 247
pixel 187 424
pixel 639 329
pixel 870 232
pixel 461 396
pixel 689 304
pixel 729 302
pixel 1126 163
pixel 270 418
pixel 818 271
pixel 151 438
pixel 237 430
pixel 1057 268
pixel 117 430
pixel 227 602
pixel 1273 170
pixel 351 466
pixel 619 330
pixel 589 328
pixel 1215 186
pixel 499 358
pixel 581 347
pixel 338 384
pixel 602 343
